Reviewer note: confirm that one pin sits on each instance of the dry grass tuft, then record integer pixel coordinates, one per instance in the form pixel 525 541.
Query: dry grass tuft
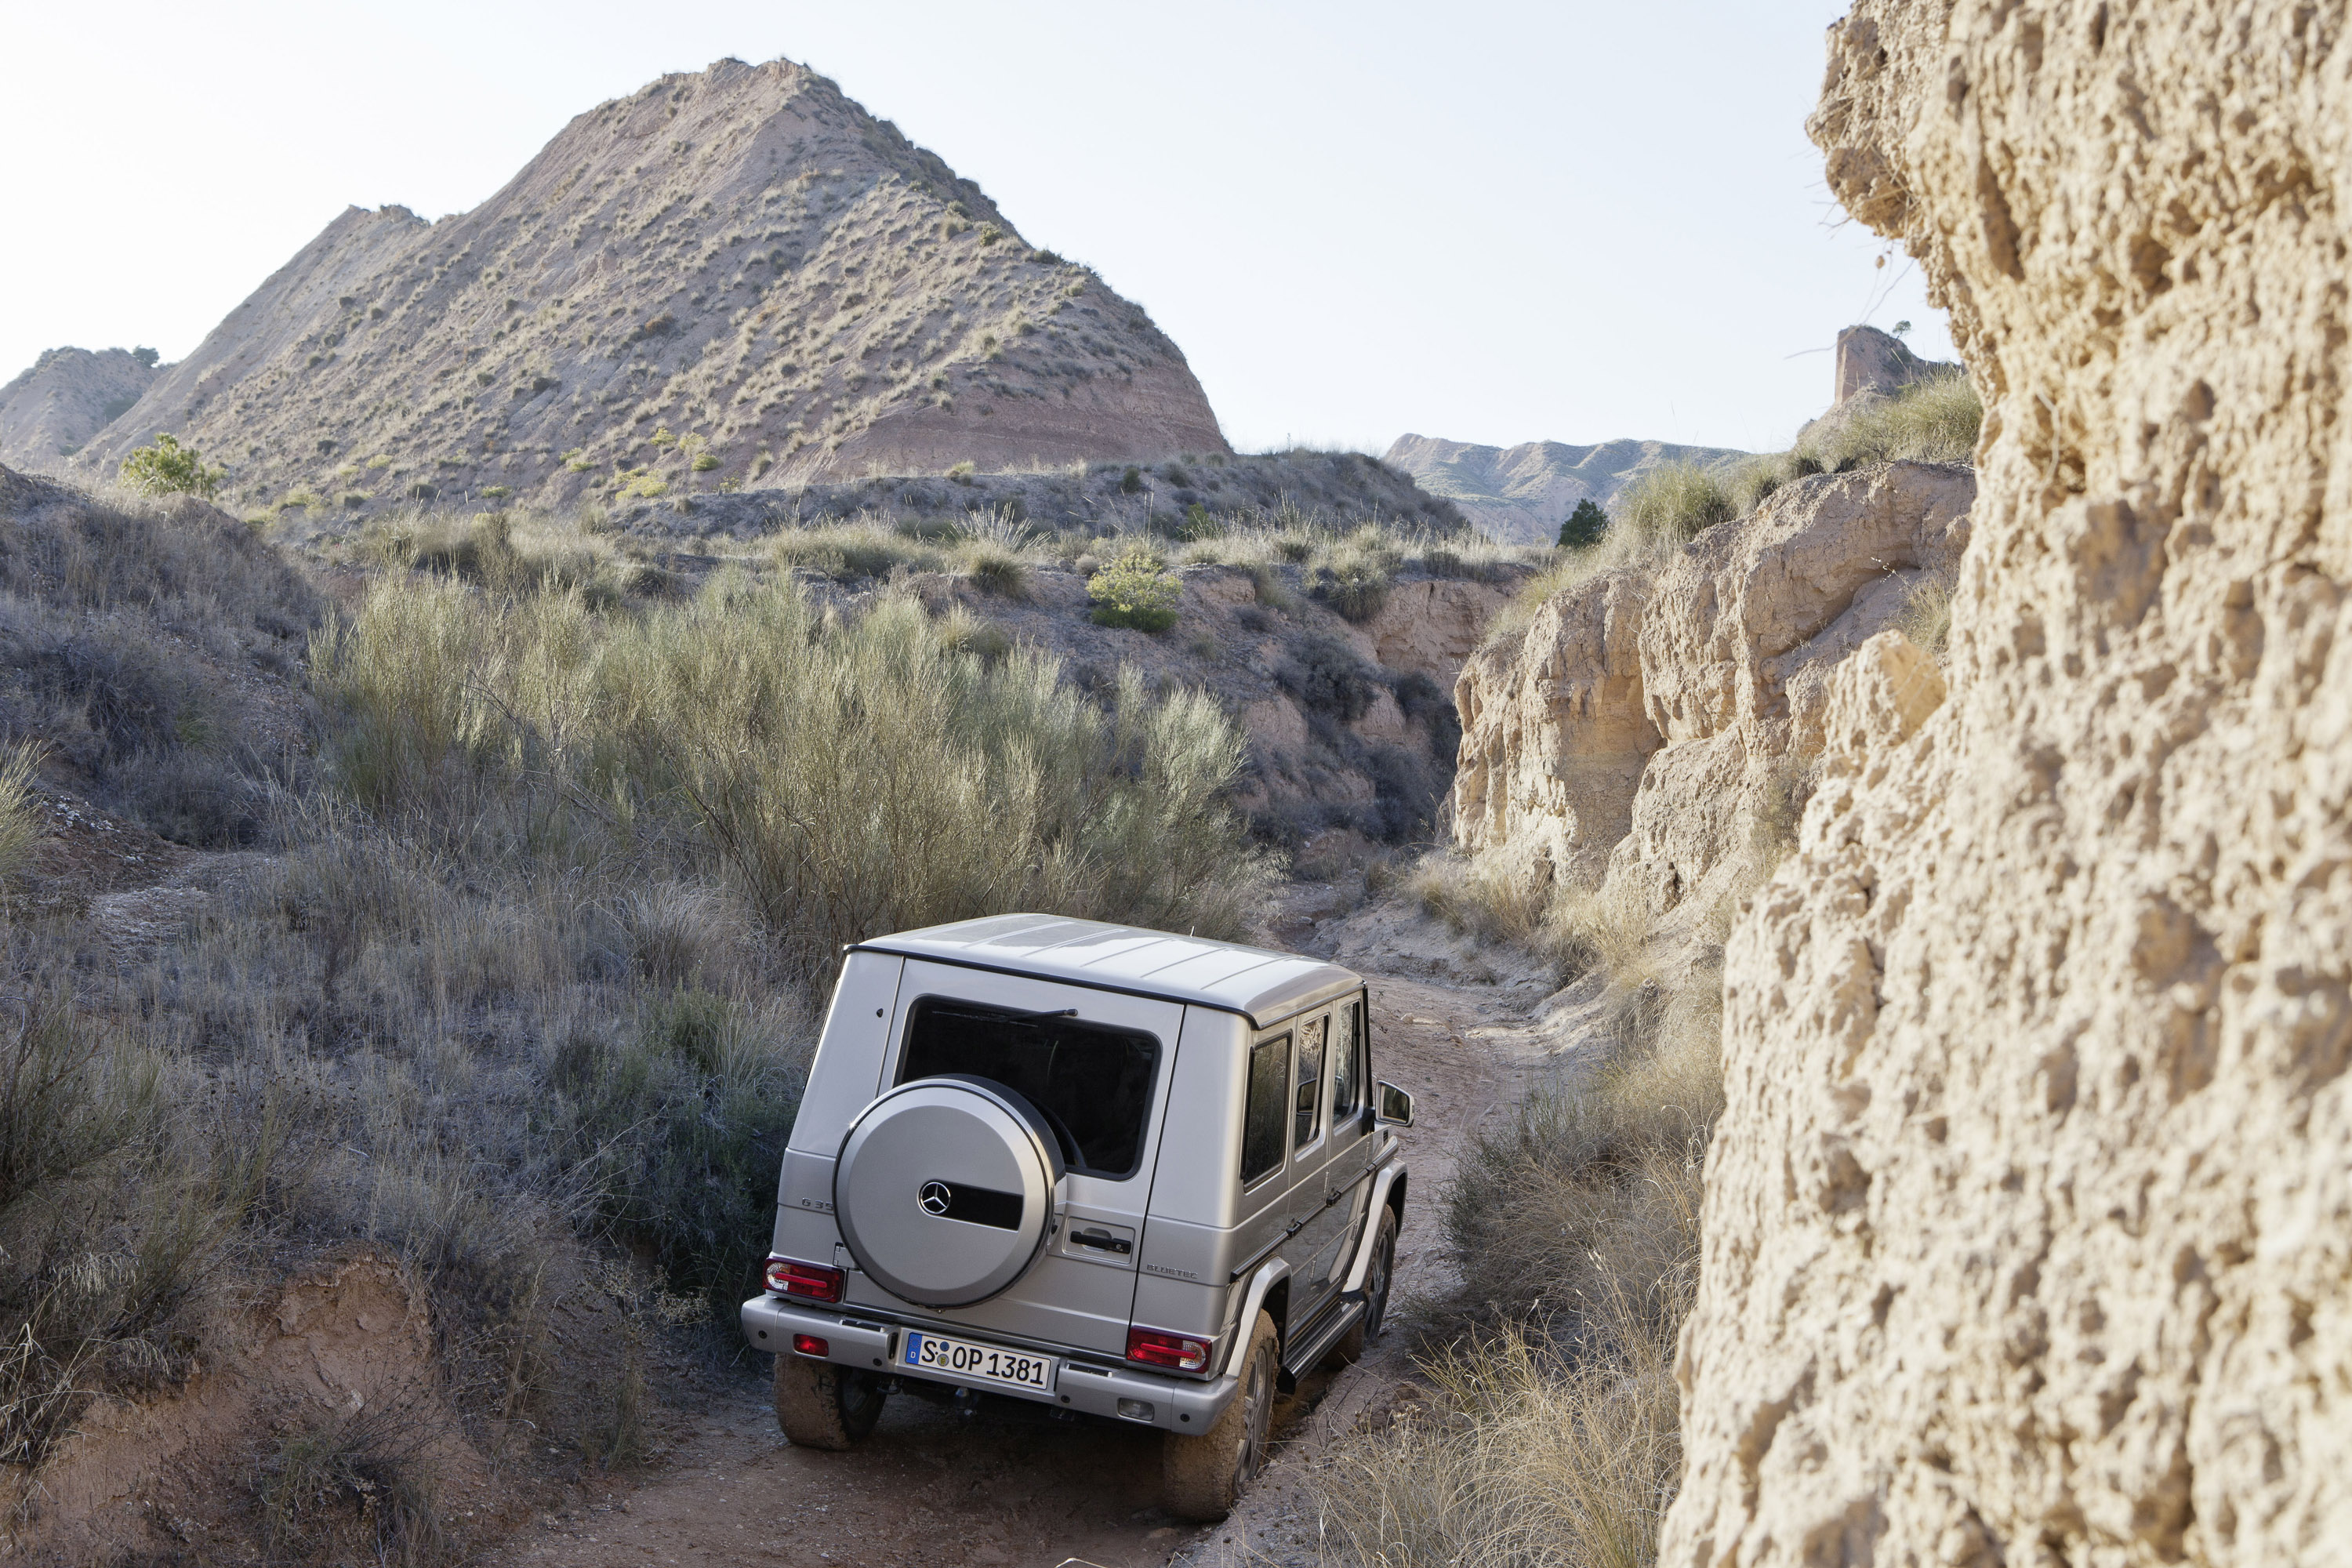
pixel 1552 1436
pixel 1527 1455
pixel 1926 615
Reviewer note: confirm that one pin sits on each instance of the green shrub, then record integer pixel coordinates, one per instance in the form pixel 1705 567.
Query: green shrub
pixel 1672 503
pixel 1137 592
pixel 1584 526
pixel 704 462
pixel 168 468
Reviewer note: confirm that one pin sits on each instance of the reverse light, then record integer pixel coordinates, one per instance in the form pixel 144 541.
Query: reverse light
pixel 1172 1353
pixel 809 1344
pixel 805 1281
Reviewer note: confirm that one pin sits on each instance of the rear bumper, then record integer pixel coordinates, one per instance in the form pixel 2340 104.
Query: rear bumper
pixel 1087 1383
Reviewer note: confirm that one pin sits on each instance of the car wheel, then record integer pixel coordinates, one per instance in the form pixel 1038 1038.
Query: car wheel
pixel 821 1405
pixel 1201 1478
pixel 1377 1276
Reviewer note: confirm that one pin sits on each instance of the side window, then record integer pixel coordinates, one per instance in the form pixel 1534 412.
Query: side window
pixel 1309 1117
pixel 1347 1062
pixel 1269 1076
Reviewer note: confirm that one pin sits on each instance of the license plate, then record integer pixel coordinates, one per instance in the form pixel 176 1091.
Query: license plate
pixel 977 1364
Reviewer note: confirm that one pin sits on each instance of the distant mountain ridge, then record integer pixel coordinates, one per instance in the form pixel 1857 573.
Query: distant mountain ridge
pixel 1522 494
pixel 736 275
pixel 65 398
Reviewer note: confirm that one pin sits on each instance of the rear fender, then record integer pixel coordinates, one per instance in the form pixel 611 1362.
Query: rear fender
pixel 1262 1285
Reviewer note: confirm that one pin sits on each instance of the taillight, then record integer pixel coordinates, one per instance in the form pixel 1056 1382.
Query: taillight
pixel 809 1344
pixel 1177 1352
pixel 809 1281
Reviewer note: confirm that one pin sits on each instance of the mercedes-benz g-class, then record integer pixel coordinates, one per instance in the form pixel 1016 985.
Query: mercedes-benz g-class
pixel 1120 1173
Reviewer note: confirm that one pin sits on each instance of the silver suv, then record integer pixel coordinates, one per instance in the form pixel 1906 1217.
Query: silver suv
pixel 1119 1173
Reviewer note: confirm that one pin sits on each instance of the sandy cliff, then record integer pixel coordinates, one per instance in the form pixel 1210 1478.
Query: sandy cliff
pixel 2029 1225
pixel 1652 724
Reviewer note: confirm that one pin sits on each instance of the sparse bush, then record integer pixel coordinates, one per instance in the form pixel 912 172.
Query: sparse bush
pixel 1137 592
pixel 365 1481
pixel 1354 578
pixel 167 468
pixel 676 1127
pixel 704 462
pixel 1926 615
pixel 1672 503
pixel 1932 421
pixel 864 548
pixel 1525 1455
pixel 847 777
pixel 20 817
pixel 1327 676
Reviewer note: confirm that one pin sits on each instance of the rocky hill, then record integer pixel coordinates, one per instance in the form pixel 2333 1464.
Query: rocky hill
pixel 735 277
pixel 2029 1220
pixel 1522 494
pixel 67 395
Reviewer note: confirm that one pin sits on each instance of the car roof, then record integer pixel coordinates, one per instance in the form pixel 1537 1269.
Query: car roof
pixel 1260 984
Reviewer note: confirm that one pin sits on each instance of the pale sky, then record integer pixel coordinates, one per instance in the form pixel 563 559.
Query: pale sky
pixel 1495 222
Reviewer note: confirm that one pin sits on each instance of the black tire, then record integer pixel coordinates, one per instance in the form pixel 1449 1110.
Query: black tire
pixel 1379 1275
pixel 821 1405
pixel 1201 1477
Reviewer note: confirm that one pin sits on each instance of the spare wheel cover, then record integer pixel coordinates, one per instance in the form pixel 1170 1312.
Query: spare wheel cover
pixel 944 1189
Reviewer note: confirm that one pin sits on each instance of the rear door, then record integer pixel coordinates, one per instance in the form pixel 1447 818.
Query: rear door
pixel 1081 1291
pixel 1318 1225
pixel 1345 1184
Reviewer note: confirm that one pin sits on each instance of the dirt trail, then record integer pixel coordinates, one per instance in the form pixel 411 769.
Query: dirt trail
pixel 1010 1486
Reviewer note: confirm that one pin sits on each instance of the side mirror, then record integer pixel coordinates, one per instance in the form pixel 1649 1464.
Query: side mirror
pixel 1396 1107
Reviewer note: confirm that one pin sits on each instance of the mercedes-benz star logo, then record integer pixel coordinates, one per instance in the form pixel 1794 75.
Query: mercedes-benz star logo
pixel 935 1196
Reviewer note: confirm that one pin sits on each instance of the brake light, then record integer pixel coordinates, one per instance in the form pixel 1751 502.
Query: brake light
pixel 809 1281
pixel 809 1344
pixel 1176 1353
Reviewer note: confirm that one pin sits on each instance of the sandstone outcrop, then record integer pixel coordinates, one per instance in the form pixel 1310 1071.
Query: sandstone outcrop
pixel 741 260
pixel 1650 724
pixel 65 398
pixel 1872 363
pixel 1522 494
pixel 2029 1223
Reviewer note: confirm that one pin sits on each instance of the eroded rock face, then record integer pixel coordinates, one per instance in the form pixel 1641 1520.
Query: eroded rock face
pixel 2029 1224
pixel 1555 733
pixel 1870 361
pixel 1645 729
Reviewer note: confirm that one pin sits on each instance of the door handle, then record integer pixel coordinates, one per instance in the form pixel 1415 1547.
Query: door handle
pixel 1101 1241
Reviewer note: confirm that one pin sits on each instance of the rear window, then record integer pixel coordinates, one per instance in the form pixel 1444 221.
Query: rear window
pixel 1092 1082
